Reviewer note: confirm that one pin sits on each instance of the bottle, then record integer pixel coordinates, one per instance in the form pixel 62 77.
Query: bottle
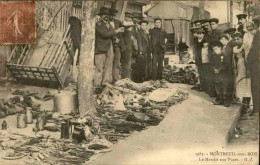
pixel 29 116
pixel 4 125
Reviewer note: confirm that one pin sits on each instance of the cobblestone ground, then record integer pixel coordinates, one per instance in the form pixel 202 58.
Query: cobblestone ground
pixel 247 131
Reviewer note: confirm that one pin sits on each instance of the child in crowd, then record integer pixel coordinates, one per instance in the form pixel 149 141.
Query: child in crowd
pixel 220 65
pixel 205 65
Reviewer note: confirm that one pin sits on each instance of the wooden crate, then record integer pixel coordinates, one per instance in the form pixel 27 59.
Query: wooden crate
pixel 53 68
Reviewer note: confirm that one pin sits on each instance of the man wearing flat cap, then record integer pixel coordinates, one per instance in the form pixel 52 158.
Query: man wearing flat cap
pixel 198 23
pixel 241 22
pixel 158 44
pixel 103 46
pixel 118 44
pixel 216 31
pixel 206 26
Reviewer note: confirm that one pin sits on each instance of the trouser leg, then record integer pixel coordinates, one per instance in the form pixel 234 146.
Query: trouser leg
pixel 148 66
pixel 155 65
pixel 160 65
pixel 255 88
pixel 116 64
pixel 126 64
pixel 108 66
pixel 99 68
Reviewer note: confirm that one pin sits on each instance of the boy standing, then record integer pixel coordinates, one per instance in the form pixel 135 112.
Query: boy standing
pixel 205 65
pixel 220 66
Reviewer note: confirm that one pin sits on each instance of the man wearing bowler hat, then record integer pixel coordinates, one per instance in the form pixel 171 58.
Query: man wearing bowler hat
pixel 241 22
pixel 118 44
pixel 103 46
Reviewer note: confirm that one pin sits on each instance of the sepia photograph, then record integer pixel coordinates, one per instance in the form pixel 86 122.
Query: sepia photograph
pixel 137 82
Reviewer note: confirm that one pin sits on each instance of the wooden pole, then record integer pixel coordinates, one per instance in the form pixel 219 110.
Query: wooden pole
pixel 231 13
pixel 228 12
pixel 86 60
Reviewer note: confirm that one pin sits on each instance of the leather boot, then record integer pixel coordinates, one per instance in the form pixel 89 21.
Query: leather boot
pixel 219 100
pixel 226 101
pixel 245 103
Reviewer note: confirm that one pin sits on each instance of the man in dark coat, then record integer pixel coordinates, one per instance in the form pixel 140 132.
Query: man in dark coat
pixel 118 44
pixel 254 67
pixel 158 44
pixel 126 58
pixel 143 59
pixel 103 43
pixel 198 57
pixel 207 28
pixel 241 23
pixel 228 52
pixel 216 31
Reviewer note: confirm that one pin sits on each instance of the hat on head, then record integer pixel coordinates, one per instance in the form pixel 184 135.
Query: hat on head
pixel 230 30
pixel 197 21
pixel 137 15
pixel 127 14
pixel 216 44
pixel 204 21
pixel 113 11
pixel 237 35
pixel 223 35
pixel 104 11
pixel 142 21
pixel 200 30
pixel 214 20
pixel 157 19
pixel 239 16
pixel 256 20
pixel 193 29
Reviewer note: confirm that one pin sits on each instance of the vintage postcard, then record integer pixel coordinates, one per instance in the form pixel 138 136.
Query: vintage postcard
pixel 129 82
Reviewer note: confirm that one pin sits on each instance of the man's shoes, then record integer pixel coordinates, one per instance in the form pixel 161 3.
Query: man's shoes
pixel 195 87
pixel 218 101
pixel 226 103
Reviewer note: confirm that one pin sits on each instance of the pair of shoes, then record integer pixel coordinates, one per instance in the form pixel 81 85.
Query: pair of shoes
pixel 226 103
pixel 218 101
pixel 195 88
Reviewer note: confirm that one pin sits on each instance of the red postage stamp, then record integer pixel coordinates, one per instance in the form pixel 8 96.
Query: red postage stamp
pixel 18 24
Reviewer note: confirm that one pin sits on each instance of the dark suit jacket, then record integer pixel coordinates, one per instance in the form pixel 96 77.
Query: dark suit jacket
pixel 158 37
pixel 145 42
pixel 228 51
pixel 223 65
pixel 197 52
pixel 136 34
pixel 104 34
pixel 118 24
pixel 254 53
pixel 216 34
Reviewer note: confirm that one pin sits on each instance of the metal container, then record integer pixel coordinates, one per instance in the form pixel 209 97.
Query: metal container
pixel 29 115
pixel 21 120
pixel 65 102
pixel 64 130
pixel 40 124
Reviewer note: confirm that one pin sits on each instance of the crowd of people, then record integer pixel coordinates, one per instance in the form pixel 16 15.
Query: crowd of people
pixel 127 49
pixel 227 60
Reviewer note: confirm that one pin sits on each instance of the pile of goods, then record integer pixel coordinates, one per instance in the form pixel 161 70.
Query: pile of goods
pixel 65 138
pixel 186 75
pixel 21 101
pixel 127 106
